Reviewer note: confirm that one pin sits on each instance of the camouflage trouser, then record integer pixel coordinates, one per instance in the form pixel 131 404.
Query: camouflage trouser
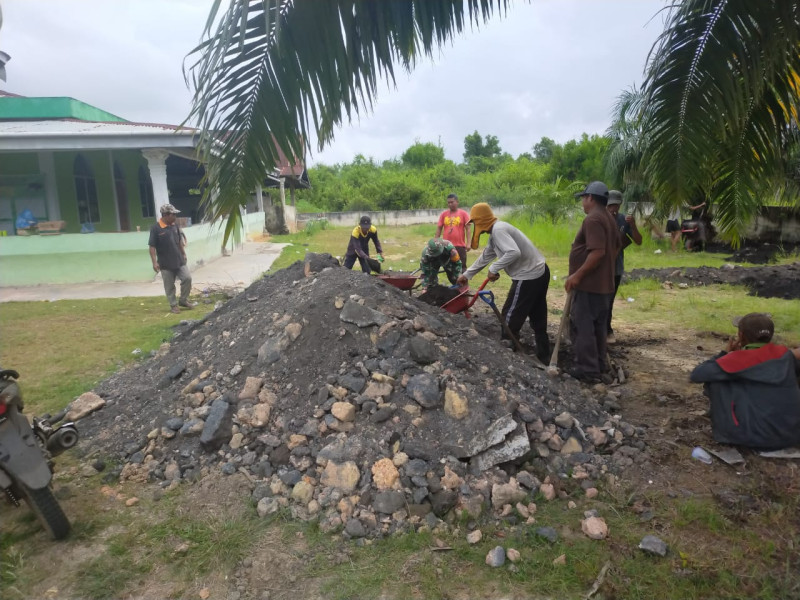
pixel 430 272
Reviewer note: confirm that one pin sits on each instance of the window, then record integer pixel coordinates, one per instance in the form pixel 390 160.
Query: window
pixel 146 193
pixel 85 191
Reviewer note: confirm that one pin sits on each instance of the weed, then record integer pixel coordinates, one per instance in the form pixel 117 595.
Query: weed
pixel 214 544
pixel 108 575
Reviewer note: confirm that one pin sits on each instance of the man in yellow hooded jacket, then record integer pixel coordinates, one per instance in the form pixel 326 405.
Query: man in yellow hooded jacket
pixel 513 252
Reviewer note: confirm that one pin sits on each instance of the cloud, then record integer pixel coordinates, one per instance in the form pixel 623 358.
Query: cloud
pixel 549 68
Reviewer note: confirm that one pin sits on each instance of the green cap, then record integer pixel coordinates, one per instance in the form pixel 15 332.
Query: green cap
pixel 435 248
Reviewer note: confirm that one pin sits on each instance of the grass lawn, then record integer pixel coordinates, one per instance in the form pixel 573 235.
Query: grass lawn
pixel 63 348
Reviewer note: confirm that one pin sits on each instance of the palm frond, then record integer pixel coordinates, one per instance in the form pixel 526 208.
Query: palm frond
pixel 720 93
pixel 273 69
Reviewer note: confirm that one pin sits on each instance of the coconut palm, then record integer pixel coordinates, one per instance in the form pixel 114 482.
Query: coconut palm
pixel 721 98
pixel 270 69
pixel 623 160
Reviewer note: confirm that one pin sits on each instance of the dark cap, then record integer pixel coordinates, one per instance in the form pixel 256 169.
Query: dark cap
pixel 596 188
pixel 365 220
pixel 614 197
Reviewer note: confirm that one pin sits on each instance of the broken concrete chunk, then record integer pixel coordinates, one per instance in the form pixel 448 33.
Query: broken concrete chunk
pixel 84 404
pixel 361 316
pixel 515 446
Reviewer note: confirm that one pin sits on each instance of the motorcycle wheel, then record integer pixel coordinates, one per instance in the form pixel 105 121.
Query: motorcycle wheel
pixel 48 511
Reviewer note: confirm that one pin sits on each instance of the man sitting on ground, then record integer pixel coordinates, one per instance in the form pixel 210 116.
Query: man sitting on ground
pixel 755 398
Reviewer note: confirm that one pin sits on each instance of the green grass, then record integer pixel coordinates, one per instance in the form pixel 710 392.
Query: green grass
pixel 61 349
pixel 110 573
pixel 215 544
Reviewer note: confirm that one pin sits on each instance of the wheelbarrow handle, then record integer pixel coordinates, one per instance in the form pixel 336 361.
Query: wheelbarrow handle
pixel 479 292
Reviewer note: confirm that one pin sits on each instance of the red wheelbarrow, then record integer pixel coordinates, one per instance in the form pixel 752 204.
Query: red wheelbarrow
pixel 400 281
pixel 464 301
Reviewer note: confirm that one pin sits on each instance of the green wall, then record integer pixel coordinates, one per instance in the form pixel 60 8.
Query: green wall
pixel 99 257
pixel 129 161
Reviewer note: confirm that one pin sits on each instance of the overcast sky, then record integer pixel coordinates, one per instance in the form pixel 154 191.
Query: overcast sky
pixel 549 68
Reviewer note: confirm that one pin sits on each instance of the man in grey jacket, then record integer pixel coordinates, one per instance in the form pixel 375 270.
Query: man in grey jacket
pixel 524 264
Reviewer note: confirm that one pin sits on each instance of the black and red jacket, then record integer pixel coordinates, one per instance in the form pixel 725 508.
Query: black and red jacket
pixel 755 398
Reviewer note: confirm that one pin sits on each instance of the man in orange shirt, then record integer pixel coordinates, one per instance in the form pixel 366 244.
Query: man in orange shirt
pixel 452 226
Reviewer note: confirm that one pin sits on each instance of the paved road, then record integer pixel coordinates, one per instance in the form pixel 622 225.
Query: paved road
pixel 238 270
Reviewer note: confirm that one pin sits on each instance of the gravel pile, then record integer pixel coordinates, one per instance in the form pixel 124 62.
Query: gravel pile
pixel 348 402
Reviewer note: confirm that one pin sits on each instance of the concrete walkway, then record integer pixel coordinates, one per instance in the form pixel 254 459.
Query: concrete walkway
pixel 238 271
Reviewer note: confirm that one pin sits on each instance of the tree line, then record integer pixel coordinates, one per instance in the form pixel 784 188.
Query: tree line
pixel 421 177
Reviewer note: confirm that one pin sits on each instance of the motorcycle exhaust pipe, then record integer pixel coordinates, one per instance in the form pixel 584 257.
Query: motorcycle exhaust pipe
pixel 64 438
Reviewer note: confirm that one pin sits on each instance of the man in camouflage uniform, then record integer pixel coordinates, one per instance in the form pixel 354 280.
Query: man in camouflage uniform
pixel 439 253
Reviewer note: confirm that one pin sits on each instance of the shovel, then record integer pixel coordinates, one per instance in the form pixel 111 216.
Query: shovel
pixel 552 368
pixel 488 297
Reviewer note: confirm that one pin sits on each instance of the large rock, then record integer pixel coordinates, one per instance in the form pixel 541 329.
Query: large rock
pixel 217 429
pixel 507 493
pixel 84 404
pixel 424 388
pixel 516 445
pixel 360 315
pixel 256 416
pixel 377 390
pixel 270 351
pixel 388 502
pixel 344 411
pixel 252 386
pixel 595 528
pixel 443 501
pixel 343 476
pixel 653 545
pixel 422 351
pixel 493 435
pixel 384 474
pixel 455 405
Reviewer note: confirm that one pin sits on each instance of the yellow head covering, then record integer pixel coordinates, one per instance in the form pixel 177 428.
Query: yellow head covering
pixel 483 218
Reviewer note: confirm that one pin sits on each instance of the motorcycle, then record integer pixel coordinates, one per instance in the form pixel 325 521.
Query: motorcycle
pixel 26 454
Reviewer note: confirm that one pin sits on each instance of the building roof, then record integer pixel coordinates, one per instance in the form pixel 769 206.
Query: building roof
pixel 74 134
pixel 40 108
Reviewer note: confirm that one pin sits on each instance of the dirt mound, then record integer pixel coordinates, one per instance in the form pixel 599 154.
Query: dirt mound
pixel 346 400
pixel 767 282
pixel 754 252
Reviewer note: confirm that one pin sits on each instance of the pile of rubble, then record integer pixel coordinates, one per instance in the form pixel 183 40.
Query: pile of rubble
pixel 347 401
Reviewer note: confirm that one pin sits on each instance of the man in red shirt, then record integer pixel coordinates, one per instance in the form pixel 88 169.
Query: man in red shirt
pixel 452 226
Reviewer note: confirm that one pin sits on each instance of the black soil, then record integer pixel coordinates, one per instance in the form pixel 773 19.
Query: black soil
pixel 781 281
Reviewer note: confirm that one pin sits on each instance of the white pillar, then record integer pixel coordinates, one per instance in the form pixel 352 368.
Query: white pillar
pixel 157 165
pixel 259 198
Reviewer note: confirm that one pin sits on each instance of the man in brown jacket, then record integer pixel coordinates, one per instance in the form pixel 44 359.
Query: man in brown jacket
pixel 591 281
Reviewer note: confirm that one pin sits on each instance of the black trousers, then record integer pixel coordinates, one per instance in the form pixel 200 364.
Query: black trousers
pixel 588 322
pixel 527 300
pixel 350 260
pixel 617 279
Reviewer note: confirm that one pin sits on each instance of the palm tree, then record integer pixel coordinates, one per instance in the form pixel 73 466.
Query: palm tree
pixel 269 69
pixel 720 105
pixel 623 159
